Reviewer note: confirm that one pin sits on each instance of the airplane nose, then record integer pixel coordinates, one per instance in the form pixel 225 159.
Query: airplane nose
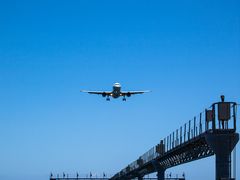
pixel 117 85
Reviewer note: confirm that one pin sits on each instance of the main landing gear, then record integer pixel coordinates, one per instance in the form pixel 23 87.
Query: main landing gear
pixel 108 99
pixel 124 99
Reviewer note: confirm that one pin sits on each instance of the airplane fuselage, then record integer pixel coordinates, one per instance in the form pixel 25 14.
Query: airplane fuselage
pixel 116 90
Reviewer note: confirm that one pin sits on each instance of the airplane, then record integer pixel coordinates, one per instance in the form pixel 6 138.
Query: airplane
pixel 115 93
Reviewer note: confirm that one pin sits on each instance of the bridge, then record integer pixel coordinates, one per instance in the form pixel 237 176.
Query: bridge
pixel 76 178
pixel 212 132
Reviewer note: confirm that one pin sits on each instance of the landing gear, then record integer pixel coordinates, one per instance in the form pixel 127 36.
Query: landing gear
pixel 108 99
pixel 124 99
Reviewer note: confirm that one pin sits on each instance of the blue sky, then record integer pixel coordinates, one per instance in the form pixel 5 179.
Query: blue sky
pixel 187 53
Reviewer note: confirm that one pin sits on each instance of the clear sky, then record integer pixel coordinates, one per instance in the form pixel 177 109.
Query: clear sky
pixel 186 52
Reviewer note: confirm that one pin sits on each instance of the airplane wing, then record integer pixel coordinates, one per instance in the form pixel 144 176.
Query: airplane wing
pixel 127 93
pixel 98 92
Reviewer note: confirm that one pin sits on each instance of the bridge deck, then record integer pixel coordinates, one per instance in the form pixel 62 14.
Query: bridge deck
pixel 189 143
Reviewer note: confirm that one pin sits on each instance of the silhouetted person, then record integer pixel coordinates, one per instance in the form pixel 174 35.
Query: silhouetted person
pixel 63 175
pixel 77 175
pixel 222 99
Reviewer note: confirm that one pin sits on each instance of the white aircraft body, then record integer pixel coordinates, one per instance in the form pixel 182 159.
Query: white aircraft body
pixel 115 93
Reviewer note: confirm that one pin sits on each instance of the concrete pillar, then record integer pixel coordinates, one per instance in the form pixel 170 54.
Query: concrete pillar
pixel 161 174
pixel 222 144
pixel 160 170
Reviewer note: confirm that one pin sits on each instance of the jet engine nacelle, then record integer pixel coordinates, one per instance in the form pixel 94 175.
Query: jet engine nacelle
pixel 128 94
pixel 104 94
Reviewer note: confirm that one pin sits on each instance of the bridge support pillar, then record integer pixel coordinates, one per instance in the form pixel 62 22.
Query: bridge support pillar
pixel 160 170
pixel 222 144
pixel 161 174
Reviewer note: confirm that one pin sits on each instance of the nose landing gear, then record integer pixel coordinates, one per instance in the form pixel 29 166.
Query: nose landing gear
pixel 124 99
pixel 108 99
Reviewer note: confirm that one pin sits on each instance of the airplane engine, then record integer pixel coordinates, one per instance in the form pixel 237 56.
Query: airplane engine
pixel 104 94
pixel 128 94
